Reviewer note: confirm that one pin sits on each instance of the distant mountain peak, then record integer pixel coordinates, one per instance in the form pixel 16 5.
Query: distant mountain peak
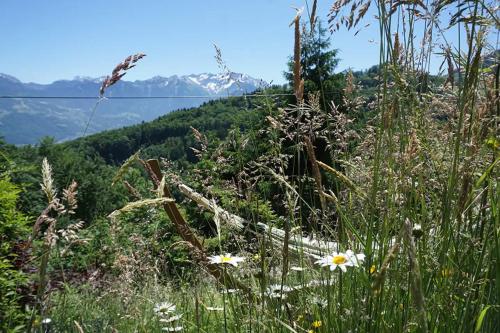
pixel 9 78
pixel 224 82
pixel 25 121
pixel 212 83
pixel 89 78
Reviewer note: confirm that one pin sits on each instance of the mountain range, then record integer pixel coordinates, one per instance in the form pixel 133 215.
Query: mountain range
pixel 26 120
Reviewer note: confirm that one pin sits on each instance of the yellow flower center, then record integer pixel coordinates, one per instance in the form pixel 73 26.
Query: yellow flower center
pixel 226 259
pixel 447 272
pixel 316 324
pixel 338 260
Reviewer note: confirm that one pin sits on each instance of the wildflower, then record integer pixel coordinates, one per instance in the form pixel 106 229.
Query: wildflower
pixel 317 324
pixel 321 302
pixel 226 259
pixel 171 319
pixel 164 308
pixel 356 259
pixel 229 291
pixel 172 329
pixel 279 287
pixel 46 321
pixel 373 269
pixel 446 272
pixel 211 308
pixel 278 291
pixel 341 260
pixel 315 283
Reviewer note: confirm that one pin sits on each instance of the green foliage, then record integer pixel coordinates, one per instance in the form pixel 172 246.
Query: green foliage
pixel 13 230
pixel 169 136
pixel 318 63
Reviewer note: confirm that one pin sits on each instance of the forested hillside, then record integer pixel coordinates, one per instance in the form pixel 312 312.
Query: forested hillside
pixel 29 111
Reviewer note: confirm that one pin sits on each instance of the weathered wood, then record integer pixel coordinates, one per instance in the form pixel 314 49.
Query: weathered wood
pixel 187 234
pixel 308 246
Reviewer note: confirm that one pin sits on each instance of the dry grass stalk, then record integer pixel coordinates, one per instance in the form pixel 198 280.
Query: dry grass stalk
pixel 132 190
pixel 342 178
pixel 47 182
pixel 380 277
pixel 349 85
pixel 298 83
pixel 124 167
pixel 396 51
pixel 78 327
pixel 451 69
pixel 351 18
pixel 416 283
pixel 139 204
pixel 315 171
pixel 313 14
pixel 69 197
pixel 119 71
pixel 202 141
pixel 225 70
pixel 220 61
pixel 56 209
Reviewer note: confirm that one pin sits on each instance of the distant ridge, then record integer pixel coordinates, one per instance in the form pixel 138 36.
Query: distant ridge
pixel 25 121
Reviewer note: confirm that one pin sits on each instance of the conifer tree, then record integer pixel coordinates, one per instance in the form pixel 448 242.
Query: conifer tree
pixel 318 63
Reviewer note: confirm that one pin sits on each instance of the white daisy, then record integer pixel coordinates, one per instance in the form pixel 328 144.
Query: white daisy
pixel 229 291
pixel 212 308
pixel 172 329
pixel 164 308
pixel 356 259
pixel 342 260
pixel 171 319
pixel 46 321
pixel 226 259
pixel 278 287
pixel 321 302
pixel 276 291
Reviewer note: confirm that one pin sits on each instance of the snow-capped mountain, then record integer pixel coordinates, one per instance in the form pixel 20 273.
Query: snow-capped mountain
pixel 25 121
pixel 225 82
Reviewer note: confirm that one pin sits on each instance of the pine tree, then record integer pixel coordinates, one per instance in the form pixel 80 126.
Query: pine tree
pixel 318 62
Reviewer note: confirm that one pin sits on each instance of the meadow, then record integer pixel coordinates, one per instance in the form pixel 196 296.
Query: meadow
pixel 375 209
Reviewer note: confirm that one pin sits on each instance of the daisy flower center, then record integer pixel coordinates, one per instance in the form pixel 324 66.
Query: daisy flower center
pixel 225 259
pixel 339 260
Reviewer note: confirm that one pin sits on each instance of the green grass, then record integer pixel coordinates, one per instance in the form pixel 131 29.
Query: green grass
pixel 427 158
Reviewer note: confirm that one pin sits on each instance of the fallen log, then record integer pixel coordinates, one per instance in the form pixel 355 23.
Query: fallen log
pixel 310 247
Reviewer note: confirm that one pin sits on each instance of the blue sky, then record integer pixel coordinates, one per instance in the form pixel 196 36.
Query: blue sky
pixel 43 41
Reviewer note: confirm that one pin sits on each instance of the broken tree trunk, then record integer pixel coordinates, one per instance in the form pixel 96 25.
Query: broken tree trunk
pixel 183 229
pixel 313 248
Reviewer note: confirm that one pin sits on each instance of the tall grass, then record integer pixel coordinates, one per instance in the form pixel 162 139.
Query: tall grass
pixel 418 196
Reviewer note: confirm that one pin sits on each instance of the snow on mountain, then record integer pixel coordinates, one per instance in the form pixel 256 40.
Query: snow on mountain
pixel 211 84
pixel 25 121
pixel 224 82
